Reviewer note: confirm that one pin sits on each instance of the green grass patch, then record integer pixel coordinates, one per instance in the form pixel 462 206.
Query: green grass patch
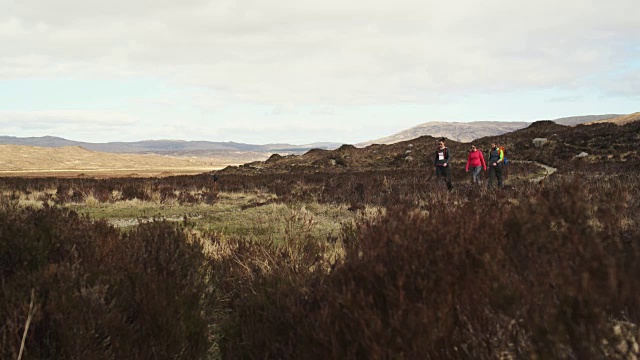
pixel 253 215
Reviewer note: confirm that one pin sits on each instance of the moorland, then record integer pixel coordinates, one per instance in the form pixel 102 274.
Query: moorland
pixel 335 254
pixel 75 161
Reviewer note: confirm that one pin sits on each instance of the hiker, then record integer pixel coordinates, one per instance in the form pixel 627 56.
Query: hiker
pixel 442 161
pixel 215 185
pixel 475 160
pixel 495 160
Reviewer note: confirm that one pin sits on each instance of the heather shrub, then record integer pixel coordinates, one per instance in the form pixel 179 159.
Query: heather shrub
pixel 186 197
pixel 263 282
pixel 167 194
pixel 166 291
pixel 99 293
pixel 539 270
pixel 77 196
pixel 539 276
pixel 103 194
pixel 131 192
pixel 62 194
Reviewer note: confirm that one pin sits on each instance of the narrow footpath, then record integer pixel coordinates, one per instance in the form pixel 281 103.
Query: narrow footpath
pixel 548 171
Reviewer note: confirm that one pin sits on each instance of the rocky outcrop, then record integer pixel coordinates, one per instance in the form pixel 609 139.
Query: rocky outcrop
pixel 538 142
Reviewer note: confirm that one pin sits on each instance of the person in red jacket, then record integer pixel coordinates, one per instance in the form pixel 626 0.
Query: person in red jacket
pixel 475 161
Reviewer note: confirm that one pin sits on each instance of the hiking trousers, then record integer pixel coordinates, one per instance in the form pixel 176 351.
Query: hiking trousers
pixel 475 175
pixel 495 171
pixel 444 172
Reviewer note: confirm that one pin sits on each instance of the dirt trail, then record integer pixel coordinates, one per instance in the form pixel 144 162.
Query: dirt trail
pixel 548 169
pixel 120 223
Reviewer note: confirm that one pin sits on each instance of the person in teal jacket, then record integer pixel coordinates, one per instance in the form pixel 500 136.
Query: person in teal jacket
pixel 495 161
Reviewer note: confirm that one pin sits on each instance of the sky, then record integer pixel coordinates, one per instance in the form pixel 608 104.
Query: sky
pixel 305 71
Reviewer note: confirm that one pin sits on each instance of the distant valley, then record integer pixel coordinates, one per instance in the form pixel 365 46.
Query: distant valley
pixel 171 156
pixel 174 147
pixel 68 161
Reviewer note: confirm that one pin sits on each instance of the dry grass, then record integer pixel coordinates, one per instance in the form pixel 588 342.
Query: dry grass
pixel 254 214
pixel 29 161
pixel 620 120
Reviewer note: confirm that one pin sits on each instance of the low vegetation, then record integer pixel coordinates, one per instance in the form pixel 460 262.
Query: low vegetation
pixel 346 263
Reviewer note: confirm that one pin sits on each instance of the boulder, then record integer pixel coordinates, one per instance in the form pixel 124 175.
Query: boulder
pixel 537 142
pixel 582 154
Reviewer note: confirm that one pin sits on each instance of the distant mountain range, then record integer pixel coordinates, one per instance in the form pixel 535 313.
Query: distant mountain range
pixel 236 153
pixel 167 147
pixel 458 131
pixel 469 131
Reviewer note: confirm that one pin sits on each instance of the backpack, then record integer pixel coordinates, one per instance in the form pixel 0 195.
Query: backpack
pixel 504 155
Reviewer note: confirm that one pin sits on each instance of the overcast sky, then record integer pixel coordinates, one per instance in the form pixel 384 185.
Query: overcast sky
pixel 306 71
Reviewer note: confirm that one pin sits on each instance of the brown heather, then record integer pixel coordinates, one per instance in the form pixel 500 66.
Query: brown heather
pixel 536 279
pixel 544 270
pixel 101 294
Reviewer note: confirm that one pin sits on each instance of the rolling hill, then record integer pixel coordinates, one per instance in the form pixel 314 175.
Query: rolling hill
pixel 458 131
pixel 619 120
pixel 468 131
pixel 577 120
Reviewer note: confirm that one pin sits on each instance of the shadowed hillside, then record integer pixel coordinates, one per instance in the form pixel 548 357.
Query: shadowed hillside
pixel 605 144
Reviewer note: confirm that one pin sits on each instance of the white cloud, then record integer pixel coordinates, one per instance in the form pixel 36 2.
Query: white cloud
pixel 625 84
pixel 284 109
pixel 323 52
pixel 323 110
pixel 67 117
pixel 64 122
pixel 563 99
pixel 206 100
pixel 298 134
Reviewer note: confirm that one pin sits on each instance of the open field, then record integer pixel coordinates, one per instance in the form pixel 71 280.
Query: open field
pixel 31 161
